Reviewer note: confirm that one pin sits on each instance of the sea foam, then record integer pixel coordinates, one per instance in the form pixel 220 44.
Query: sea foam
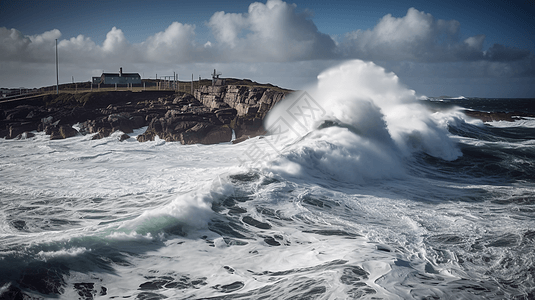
pixel 374 124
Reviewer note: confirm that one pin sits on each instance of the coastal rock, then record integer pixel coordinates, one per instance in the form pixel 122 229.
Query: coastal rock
pixel 250 103
pixel 18 128
pixel 241 139
pixel 62 132
pixel 226 115
pixel 187 127
pixel 104 126
pixel 25 135
pixel 205 133
pixel 146 137
pixel 171 116
pixel 123 137
pixel 21 112
pixel 102 133
pixel 248 127
pixel 125 122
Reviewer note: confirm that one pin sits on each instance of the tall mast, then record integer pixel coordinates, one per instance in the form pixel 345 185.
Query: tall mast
pixel 57 76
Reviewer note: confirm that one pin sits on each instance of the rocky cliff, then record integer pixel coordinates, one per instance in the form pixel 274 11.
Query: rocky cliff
pixel 207 118
pixel 251 104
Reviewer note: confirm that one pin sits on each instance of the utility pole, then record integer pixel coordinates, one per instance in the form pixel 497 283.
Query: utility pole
pixel 57 76
pixel 192 84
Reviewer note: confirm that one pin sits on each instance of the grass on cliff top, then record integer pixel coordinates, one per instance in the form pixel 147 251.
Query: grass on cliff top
pixel 185 86
pixel 250 83
pixel 88 99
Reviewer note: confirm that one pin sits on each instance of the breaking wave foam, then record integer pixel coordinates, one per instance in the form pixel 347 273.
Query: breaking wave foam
pixel 371 125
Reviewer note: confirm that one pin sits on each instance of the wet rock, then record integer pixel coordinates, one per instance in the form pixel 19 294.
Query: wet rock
pixel 178 117
pixel 146 137
pixel 123 122
pixel 241 139
pixel 102 133
pixel 226 115
pixel 62 132
pixel 205 133
pixel 247 127
pixel 250 103
pixel 15 129
pixel 25 135
pixel 123 137
pixel 246 100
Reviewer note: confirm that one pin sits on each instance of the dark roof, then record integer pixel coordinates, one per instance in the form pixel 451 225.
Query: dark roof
pixel 124 74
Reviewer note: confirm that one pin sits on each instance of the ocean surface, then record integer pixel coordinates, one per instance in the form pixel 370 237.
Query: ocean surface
pixel 362 191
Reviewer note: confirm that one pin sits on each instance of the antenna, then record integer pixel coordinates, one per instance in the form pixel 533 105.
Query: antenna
pixel 215 77
pixel 57 76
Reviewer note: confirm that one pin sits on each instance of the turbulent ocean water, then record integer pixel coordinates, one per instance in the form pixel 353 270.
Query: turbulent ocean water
pixel 362 191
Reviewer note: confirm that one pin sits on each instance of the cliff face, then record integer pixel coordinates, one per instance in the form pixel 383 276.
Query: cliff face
pixel 251 105
pixel 247 101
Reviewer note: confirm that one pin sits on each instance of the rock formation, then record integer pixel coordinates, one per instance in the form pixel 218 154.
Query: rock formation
pixel 207 117
pixel 251 105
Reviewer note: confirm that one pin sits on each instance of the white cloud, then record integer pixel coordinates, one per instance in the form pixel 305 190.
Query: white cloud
pixel 418 36
pixel 175 44
pixel 14 46
pixel 227 26
pixel 46 37
pixel 270 32
pixel 475 42
pixel 115 41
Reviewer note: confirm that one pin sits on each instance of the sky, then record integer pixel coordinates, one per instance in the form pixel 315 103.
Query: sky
pixel 476 49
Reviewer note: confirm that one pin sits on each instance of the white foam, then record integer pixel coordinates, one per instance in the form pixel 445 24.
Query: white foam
pixel 525 122
pixel 382 124
pixel 69 252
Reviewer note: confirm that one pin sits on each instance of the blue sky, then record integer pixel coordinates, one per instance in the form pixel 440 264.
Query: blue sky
pixel 481 48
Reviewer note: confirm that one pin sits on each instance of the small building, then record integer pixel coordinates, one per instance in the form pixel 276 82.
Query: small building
pixel 118 78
